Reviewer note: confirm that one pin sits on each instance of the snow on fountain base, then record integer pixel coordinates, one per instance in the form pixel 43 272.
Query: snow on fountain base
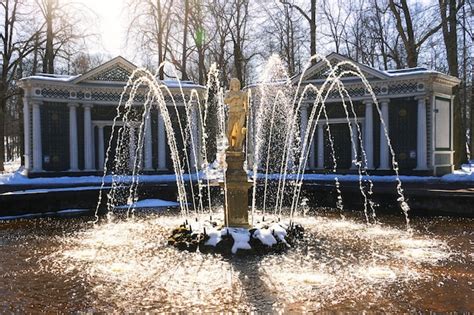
pixel 213 238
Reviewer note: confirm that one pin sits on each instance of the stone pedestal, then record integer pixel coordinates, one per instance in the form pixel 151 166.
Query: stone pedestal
pixel 236 208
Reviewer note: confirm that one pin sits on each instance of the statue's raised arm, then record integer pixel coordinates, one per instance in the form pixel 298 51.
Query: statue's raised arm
pixel 237 102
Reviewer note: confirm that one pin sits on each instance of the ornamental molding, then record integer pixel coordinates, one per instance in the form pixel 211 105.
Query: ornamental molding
pixel 446 81
pixel 116 70
pixel 384 89
pixel 320 69
pixel 102 94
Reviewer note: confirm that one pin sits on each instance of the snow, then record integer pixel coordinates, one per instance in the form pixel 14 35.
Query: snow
pixel 265 236
pixel 215 236
pixel 456 176
pixel 184 84
pixel 241 238
pixel 268 235
pixel 214 174
pixel 351 178
pixel 38 215
pixel 150 203
pixel 19 179
pixel 459 176
pixel 45 191
pixel 468 167
pixel 410 71
pixel 12 166
pixel 279 231
pixel 52 77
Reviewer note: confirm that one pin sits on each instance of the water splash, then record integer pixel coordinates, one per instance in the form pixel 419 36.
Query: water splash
pixel 275 143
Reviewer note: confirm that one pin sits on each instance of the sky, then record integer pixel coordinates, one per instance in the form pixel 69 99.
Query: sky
pixel 112 24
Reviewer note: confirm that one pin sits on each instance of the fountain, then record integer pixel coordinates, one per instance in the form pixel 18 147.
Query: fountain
pixel 237 234
pixel 346 261
pixel 262 133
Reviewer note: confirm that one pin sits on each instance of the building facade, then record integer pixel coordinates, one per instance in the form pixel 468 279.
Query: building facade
pixel 68 120
pixel 415 104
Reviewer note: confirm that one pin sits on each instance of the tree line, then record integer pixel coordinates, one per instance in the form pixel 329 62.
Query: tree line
pixel 53 36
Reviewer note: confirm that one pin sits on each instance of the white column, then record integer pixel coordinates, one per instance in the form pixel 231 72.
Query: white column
pixel 161 143
pixel 37 147
pixel 26 132
pixel 87 137
pixel 421 143
pixel 354 143
pixel 384 153
pixel 73 151
pixel 369 135
pixel 101 146
pixel 320 146
pixel 148 143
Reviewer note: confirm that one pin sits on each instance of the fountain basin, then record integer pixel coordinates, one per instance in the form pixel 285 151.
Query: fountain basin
pixel 341 265
pixel 214 237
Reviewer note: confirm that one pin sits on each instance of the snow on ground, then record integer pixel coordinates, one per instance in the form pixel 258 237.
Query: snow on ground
pixel 456 176
pixel 459 176
pixel 18 178
pixel 38 215
pixel 49 190
pixel 150 203
pixel 12 166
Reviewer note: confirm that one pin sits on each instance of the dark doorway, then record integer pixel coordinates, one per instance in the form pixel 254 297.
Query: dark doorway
pixel 113 146
pixel 403 120
pixel 55 136
pixel 342 146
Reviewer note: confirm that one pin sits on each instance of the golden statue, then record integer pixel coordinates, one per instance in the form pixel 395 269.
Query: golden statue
pixel 237 101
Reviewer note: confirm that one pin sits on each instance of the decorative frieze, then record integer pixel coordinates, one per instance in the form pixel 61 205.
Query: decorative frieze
pixel 359 90
pixel 102 95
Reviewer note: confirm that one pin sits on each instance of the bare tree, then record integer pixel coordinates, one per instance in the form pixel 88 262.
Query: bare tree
pixel 449 23
pixel 83 62
pixel 337 21
pixel 284 34
pixel 219 48
pixel 150 28
pixel 201 42
pixel 406 29
pixel 17 43
pixel 65 33
pixel 311 19
pixel 184 75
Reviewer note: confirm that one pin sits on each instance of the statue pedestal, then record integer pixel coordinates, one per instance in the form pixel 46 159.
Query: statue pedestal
pixel 236 208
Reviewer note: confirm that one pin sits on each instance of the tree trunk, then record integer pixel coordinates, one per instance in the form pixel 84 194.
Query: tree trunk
pixel 406 32
pixel 238 63
pixel 472 113
pixel 3 103
pixel 201 66
pixel 161 73
pixel 48 63
pixel 184 75
pixel 313 27
pixel 34 69
pixel 449 27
